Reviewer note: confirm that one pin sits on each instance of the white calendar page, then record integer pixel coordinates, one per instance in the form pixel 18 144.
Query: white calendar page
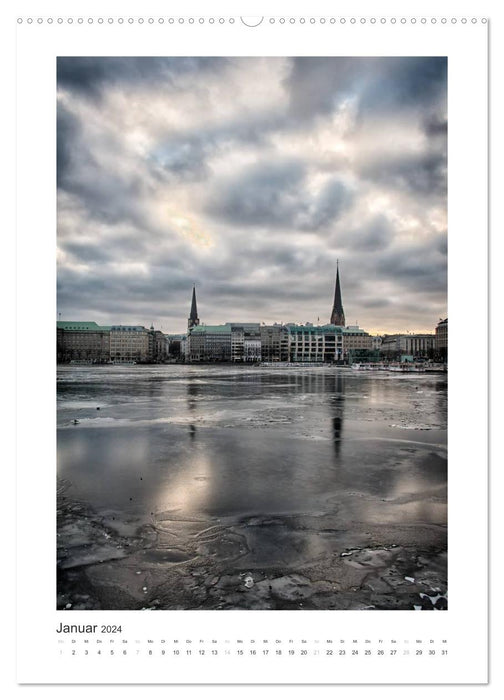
pixel 284 643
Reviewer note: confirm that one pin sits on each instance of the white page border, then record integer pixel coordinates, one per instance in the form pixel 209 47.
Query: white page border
pixel 38 44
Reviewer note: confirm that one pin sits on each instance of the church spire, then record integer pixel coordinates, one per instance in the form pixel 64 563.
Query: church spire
pixel 337 315
pixel 193 319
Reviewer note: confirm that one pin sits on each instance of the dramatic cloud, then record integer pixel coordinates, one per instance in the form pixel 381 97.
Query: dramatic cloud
pixel 250 177
pixel 275 194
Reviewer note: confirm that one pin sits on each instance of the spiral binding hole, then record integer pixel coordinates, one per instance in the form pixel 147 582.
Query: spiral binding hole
pixel 272 20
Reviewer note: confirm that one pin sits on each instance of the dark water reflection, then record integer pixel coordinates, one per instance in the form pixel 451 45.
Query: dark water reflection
pixel 222 441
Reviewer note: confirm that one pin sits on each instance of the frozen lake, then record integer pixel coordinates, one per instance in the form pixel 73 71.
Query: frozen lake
pixel 248 487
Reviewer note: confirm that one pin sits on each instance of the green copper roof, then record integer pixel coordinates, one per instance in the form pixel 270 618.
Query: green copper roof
pixel 81 326
pixel 355 331
pixel 226 328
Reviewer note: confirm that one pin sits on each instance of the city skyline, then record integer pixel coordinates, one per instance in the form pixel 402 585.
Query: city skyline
pixel 250 177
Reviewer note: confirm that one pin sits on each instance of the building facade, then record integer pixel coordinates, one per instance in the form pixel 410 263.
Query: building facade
pixel 274 343
pixel 355 338
pixel 309 343
pixel 86 341
pixel 442 340
pixel 328 343
pixel 130 344
pixel 157 350
pixel 176 346
pixel 415 345
pixel 82 341
pixel 209 344
pixel 245 342
pixel 376 342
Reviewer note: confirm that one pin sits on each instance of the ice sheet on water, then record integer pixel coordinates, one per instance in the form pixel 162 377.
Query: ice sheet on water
pixel 291 587
pixel 412 427
pixel 193 477
pixel 65 404
pixel 99 422
pixel 169 555
pixel 369 558
pixel 248 580
pixel 83 556
pixel 433 598
pixel 211 417
pixel 122 526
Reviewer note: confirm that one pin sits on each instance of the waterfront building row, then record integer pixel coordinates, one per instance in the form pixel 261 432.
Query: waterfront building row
pixel 230 342
pixel 291 342
pixel 243 343
pixel 253 342
pixel 86 341
pixel 409 346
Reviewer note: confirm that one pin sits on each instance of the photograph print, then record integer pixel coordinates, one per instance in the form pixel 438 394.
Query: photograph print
pixel 252 333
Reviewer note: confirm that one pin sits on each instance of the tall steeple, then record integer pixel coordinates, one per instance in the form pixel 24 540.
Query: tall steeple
pixel 337 315
pixel 193 319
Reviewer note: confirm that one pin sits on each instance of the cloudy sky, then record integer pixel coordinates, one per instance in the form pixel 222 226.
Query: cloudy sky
pixel 250 177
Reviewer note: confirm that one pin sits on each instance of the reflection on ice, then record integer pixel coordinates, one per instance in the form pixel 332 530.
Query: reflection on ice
pixel 192 475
